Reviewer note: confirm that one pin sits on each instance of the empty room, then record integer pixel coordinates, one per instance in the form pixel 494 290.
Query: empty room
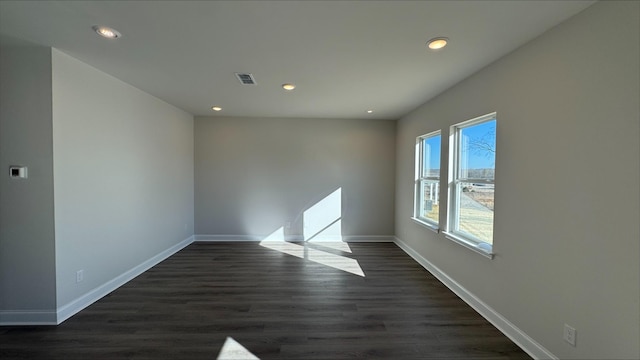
pixel 320 179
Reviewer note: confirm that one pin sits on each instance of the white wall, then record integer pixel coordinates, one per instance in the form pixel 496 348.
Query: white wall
pixel 567 174
pixel 253 175
pixel 123 169
pixel 27 262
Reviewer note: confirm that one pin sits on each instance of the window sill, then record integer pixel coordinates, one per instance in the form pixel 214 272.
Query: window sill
pixel 430 226
pixel 488 253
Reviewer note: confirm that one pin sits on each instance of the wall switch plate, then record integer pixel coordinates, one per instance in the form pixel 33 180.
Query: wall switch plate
pixel 79 276
pixel 17 172
pixel 569 335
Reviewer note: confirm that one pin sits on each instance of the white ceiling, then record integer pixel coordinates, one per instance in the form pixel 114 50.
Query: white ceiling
pixel 344 56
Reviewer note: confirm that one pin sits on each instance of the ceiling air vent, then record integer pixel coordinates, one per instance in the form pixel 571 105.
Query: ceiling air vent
pixel 246 79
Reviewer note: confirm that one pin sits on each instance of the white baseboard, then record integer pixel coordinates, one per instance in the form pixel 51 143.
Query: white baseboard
pixel 528 344
pixel 368 238
pixel 225 238
pixel 296 238
pixel 73 307
pixel 32 317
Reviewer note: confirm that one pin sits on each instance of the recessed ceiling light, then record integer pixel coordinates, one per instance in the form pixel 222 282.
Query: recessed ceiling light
pixel 437 43
pixel 288 87
pixel 216 108
pixel 369 111
pixel 106 32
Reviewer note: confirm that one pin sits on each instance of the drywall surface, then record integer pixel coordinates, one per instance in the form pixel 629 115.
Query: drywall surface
pixel 567 201
pixel 254 176
pixel 123 169
pixel 27 261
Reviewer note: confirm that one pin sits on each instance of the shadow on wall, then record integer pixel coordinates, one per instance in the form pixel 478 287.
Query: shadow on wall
pixel 322 233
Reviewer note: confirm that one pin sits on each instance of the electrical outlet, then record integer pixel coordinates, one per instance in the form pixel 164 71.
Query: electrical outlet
pixel 287 225
pixel 569 335
pixel 79 276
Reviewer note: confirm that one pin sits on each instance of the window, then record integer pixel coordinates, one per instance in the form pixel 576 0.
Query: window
pixel 427 180
pixel 472 157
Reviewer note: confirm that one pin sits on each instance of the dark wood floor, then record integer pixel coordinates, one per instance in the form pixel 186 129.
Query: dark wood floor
pixel 276 305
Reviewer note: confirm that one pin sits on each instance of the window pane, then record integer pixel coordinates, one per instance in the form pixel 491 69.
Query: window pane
pixel 475 215
pixel 431 156
pixel 478 151
pixel 429 201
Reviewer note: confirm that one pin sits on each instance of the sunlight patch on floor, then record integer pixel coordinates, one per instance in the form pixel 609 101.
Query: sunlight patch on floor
pixel 335 261
pixel 233 350
pixel 322 233
pixel 284 247
pixel 275 241
pixel 329 244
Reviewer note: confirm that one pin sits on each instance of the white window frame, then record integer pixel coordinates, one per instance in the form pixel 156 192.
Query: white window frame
pixel 452 232
pixel 419 178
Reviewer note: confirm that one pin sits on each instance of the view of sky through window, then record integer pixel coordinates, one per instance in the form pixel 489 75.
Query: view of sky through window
pixel 431 156
pixel 479 152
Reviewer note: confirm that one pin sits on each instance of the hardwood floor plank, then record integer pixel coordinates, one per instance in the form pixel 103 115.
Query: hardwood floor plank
pixel 277 306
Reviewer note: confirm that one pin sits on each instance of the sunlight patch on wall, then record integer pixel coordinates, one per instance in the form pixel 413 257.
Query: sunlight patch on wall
pixel 277 235
pixel 322 220
pixel 322 234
